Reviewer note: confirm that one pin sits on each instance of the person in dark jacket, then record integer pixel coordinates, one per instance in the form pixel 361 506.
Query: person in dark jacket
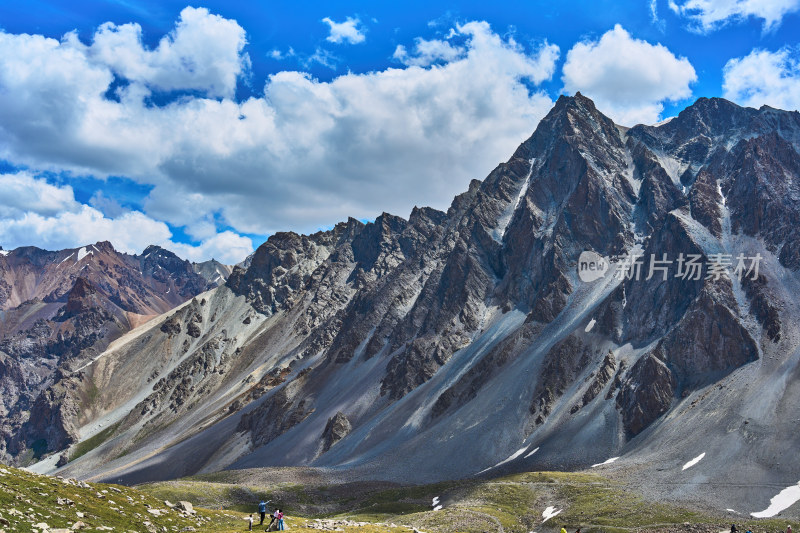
pixel 262 510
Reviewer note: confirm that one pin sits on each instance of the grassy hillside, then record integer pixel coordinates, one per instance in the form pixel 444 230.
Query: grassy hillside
pixel 507 504
pixel 510 504
pixel 30 502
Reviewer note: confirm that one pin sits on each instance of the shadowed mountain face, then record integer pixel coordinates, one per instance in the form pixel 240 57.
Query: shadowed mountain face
pixel 57 311
pixel 460 342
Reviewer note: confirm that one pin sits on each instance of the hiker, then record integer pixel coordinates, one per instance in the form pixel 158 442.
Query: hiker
pixel 250 522
pixel 273 521
pixel 281 525
pixel 788 529
pixel 733 528
pixel 578 530
pixel 563 529
pixel 262 510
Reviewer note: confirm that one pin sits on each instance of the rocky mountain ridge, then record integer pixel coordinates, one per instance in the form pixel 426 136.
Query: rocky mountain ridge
pixel 463 342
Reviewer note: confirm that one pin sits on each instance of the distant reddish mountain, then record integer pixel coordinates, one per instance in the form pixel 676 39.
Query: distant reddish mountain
pixel 59 309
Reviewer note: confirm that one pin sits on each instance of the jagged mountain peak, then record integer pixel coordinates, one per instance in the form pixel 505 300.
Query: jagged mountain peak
pixel 156 251
pixel 213 271
pixel 571 114
pixel 712 117
pixel 426 213
pixel 575 123
pixel 104 246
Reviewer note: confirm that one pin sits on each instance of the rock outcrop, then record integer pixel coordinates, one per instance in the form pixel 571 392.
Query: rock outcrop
pixel 336 429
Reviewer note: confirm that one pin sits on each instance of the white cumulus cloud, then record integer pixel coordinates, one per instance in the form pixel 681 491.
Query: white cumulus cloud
pixel 36 213
pixel 21 193
pixel 303 155
pixel 427 52
pixel 629 79
pixel 226 247
pixel 203 52
pixel 707 15
pixel 764 78
pixel 130 233
pixel 347 31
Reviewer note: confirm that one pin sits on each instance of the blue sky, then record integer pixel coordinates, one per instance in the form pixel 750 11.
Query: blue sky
pixel 205 127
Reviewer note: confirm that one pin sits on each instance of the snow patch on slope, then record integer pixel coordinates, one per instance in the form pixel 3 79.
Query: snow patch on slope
pixel 83 253
pixel 606 462
pixel 694 461
pixel 549 513
pixel 783 500
pixel 436 505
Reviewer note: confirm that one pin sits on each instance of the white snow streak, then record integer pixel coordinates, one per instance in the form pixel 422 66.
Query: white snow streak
pixel 510 458
pixel 4 252
pixel 783 500
pixel 70 255
pixel 549 513
pixel 505 218
pixel 694 461
pixel 590 325
pixel 531 453
pixel 606 462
